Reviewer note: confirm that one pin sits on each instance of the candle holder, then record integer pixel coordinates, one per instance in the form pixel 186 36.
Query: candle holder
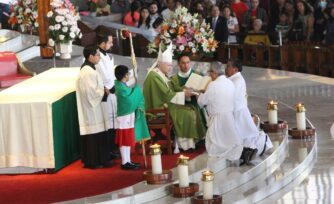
pixel 273 128
pixel 301 134
pixel 301 131
pixel 182 192
pixel 157 175
pixel 217 199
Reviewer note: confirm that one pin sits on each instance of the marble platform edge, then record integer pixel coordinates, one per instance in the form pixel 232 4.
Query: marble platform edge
pixel 298 173
pixel 268 164
pixel 146 193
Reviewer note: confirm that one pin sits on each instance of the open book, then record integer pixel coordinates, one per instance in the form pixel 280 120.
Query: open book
pixel 198 82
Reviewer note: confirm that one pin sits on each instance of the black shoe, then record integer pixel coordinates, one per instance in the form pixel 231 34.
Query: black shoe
pixel 253 154
pixel 114 156
pixel 129 166
pixel 135 164
pixel 246 156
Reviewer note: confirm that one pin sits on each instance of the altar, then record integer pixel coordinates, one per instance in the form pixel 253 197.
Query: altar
pixel 39 123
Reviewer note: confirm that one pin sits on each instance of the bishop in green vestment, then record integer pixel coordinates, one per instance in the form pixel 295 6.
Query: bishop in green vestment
pixel 159 92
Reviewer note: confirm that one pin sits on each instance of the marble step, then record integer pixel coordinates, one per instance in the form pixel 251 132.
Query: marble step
pixel 234 175
pixel 24 45
pixel 295 168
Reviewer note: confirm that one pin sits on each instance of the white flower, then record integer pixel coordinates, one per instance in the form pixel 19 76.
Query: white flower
pixel 59 19
pixel 72 35
pixel 51 27
pixel 50 14
pixel 202 30
pixel 181 48
pixel 57 26
pixel 174 47
pixel 193 50
pixel 51 42
pixel 190 44
pixel 64 23
pixel 28 10
pixel 61 37
pixel 36 24
pixel 80 35
pixel 64 29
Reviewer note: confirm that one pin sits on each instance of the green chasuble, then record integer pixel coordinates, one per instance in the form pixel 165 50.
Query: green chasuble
pixel 185 117
pixel 131 100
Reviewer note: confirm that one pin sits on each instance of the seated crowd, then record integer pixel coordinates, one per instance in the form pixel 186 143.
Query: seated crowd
pixel 233 20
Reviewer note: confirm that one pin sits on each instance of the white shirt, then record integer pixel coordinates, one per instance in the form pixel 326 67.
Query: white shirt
pixel 231 23
pixel 241 91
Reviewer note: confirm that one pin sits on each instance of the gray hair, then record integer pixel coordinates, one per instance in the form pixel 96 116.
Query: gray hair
pixel 217 67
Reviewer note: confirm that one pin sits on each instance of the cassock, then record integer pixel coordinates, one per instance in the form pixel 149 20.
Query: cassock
pixel 92 120
pixel 158 93
pixel 252 137
pixel 105 68
pixel 222 138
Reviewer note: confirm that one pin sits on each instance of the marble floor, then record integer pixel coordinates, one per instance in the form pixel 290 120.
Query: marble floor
pixel 317 93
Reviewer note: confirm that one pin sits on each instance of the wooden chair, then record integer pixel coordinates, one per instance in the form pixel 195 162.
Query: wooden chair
pixel 158 119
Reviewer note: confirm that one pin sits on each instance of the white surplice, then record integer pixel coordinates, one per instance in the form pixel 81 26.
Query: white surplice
pixel 106 68
pixel 252 137
pixel 90 90
pixel 222 138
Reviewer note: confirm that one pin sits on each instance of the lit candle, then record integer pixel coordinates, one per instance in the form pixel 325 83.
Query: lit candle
pixel 300 115
pixel 183 171
pixel 207 178
pixel 272 112
pixel 156 159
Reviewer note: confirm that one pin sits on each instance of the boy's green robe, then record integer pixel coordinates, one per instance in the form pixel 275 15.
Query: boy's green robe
pixel 185 118
pixel 131 100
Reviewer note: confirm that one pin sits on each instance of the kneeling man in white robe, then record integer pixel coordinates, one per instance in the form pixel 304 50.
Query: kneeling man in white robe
pixel 222 138
pixel 254 140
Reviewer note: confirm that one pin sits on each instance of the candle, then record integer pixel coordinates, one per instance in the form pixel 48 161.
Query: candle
pixel 207 178
pixel 272 112
pixel 156 159
pixel 183 171
pixel 280 37
pixel 300 115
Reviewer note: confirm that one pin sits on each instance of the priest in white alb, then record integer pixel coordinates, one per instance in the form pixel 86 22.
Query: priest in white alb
pixel 254 140
pixel 158 93
pixel 222 138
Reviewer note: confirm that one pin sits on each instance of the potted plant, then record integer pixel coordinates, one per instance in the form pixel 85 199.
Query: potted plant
pixel 63 26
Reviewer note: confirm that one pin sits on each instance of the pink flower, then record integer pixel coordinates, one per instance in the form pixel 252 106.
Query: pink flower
pixel 181 40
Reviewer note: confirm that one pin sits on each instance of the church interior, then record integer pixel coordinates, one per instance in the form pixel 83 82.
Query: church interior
pixel 41 130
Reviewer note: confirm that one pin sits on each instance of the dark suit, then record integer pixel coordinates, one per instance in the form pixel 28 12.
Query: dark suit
pixel 221 30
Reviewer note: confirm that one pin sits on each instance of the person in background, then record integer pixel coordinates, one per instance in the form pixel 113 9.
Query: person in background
pixel 144 22
pixel 283 27
pixel 320 17
pixel 255 12
pixel 154 11
pixel 232 24
pixel 103 8
pixel 130 117
pixel 155 29
pixel 168 12
pixel 256 36
pixel 218 24
pixel 132 17
pixel 120 6
pixel 93 123
pixel 239 8
pixel 329 37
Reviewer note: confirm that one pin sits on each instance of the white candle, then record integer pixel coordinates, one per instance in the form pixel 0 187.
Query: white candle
pixel 207 178
pixel 280 37
pixel 302 153
pixel 272 112
pixel 182 169
pixel 300 115
pixel 156 159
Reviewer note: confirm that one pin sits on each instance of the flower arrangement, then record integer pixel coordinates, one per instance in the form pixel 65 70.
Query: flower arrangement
pixel 188 35
pixel 25 14
pixel 63 26
pixel 92 5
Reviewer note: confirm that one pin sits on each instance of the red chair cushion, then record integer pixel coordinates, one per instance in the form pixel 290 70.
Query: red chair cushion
pixel 7 81
pixel 8 63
